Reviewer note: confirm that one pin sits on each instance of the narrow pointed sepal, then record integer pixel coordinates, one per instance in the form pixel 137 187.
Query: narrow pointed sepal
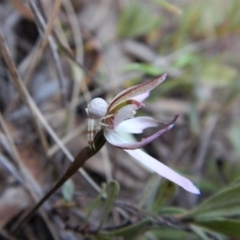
pixel 136 90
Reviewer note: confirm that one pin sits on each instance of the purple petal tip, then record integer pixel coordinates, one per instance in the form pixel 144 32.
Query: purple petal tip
pixel 164 75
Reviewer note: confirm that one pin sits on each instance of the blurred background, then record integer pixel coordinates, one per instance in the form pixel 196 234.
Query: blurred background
pixel 97 48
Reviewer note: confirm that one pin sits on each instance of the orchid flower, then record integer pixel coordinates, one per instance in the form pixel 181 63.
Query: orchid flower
pixel 119 116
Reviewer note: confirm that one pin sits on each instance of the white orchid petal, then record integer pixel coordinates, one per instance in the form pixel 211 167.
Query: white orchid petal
pixel 152 163
pixel 124 113
pixel 112 137
pixel 163 170
pixel 136 125
pixel 141 97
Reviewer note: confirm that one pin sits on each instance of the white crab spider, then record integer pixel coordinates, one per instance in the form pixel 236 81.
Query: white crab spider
pixel 96 111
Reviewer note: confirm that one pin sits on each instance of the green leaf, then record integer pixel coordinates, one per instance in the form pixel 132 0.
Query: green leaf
pixel 171 211
pixel 100 237
pixel 227 227
pixel 137 20
pixel 149 191
pixel 144 68
pixel 168 6
pixel 217 75
pixel 112 193
pixel 200 232
pixel 224 203
pixel 233 93
pixel 128 232
pixel 166 191
pixel 164 233
pixel 97 202
pixel 234 136
pixel 68 190
pixel 184 60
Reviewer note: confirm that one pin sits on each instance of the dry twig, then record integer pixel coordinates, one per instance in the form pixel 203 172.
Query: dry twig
pixel 34 109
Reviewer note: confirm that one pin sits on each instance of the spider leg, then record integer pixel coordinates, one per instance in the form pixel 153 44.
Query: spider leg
pixel 108 116
pixel 94 125
pixel 109 121
pixel 90 133
pixel 104 124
